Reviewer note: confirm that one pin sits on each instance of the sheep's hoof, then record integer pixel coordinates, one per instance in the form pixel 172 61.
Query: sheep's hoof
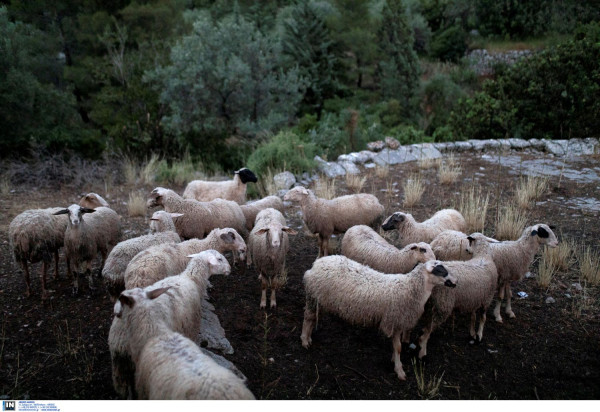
pixel 306 342
pixel 401 375
pixel 499 319
pixel 273 305
pixel 511 314
pixel 263 305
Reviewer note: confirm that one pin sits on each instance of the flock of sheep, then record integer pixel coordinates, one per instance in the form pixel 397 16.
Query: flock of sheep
pixel 159 281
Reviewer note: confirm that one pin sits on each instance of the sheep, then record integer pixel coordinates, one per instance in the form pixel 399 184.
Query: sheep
pixel 162 221
pixel 37 235
pixel 84 238
pixel 250 210
pixel 453 245
pixel 199 218
pixel 92 201
pixel 411 231
pixel 326 217
pixel 364 245
pixel 364 296
pixel 476 286
pixel 180 311
pixel 267 246
pixel 235 190
pixel 168 259
pixel 513 259
pixel 118 259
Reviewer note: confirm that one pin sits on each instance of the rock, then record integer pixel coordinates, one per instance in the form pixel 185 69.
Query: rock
pixel 284 180
pixel 281 193
pixel 518 144
pixel 537 144
pixel 329 169
pixel 577 287
pixel 370 165
pixel 357 157
pixel 211 330
pixel 462 146
pixel 376 146
pixel 555 147
pixel 578 147
pixel 392 143
pixel 425 151
pixel 444 146
pixel 550 300
pixel 350 167
pixel 504 144
pixel 393 157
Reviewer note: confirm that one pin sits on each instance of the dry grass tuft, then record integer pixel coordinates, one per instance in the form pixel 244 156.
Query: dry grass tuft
pixel 530 189
pixel 448 170
pixel 510 223
pixel 426 388
pixel 149 169
pixel 355 182
pixel 382 171
pixel 413 190
pixel 473 207
pixel 130 171
pixel 561 256
pixel 546 270
pixel 5 186
pixel 136 206
pixel 266 184
pixel 325 188
pixel 589 265
pixel 426 163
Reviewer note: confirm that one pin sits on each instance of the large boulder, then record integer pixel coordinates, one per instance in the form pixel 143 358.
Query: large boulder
pixel 284 180
pixel 329 169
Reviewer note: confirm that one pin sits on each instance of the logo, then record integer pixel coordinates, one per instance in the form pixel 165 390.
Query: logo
pixel 9 406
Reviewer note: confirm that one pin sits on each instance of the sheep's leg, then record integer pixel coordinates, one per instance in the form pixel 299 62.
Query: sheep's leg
pixel 56 257
pixel 482 319
pixel 424 338
pixel 310 317
pixel 103 254
pixel 88 271
pixel 497 315
pixel 472 326
pixel 508 309
pixel 263 296
pixel 406 336
pixel 320 241
pixel 273 301
pixel 43 276
pixel 325 246
pixel 397 342
pixel 27 280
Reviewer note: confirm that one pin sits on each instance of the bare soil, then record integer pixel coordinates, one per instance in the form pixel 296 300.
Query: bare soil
pixel 58 349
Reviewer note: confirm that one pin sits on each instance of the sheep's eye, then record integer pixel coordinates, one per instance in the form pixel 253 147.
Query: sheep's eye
pixel 422 250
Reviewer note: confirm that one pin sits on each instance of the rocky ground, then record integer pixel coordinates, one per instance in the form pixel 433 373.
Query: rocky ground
pixel 58 349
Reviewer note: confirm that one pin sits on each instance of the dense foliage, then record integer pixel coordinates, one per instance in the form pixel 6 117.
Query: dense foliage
pixel 223 79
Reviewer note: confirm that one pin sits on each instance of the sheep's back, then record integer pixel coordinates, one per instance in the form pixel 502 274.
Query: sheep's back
pixel 154 264
pixel 359 209
pixel 35 234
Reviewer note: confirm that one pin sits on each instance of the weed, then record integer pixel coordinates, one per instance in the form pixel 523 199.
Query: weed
pixel 130 171
pixel 413 190
pixel 136 206
pixel 266 185
pixel 589 265
pixel 448 170
pixel 561 256
pixel 5 185
pixel 426 388
pixel 474 206
pixel 425 163
pixel 325 188
pixel 510 222
pixel 546 270
pixel 530 189
pixel 382 171
pixel 148 170
pixel 355 182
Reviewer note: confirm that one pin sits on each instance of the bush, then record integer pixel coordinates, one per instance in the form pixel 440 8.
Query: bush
pixel 449 44
pixel 286 151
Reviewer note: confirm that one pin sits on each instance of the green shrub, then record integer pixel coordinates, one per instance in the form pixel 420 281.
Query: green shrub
pixel 449 44
pixel 285 151
pixel 440 95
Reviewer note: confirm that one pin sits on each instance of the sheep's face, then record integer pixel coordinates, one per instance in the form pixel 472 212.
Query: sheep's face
pixel 162 221
pixel 478 243
pixel 394 221
pixel 438 274
pixel 135 299
pixel 156 198
pixel 75 213
pixel 275 234
pixel 297 194
pixel 92 201
pixel 233 241
pixel 545 235
pixel 217 264
pixel 246 175
pixel 422 252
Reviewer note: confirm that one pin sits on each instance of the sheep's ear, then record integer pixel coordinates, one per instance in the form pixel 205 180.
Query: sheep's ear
pixel 289 230
pixel 552 227
pixel 61 212
pixel 153 294
pixel 262 231
pixel 87 210
pixel 470 239
pixel 414 247
pixel 126 299
pixel 212 260
pixel 543 233
pixel 534 232
pixel 176 215
pixel 228 237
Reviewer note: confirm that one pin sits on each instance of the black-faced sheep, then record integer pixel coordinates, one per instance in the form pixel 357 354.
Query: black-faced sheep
pixel 411 231
pixel 235 190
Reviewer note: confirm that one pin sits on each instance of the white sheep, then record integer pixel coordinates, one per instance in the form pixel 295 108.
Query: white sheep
pixel 37 235
pixel 168 259
pixel 476 286
pixel 453 245
pixel 364 296
pixel 116 263
pixel 268 244
pixel 411 231
pixel 162 221
pixel 180 311
pixel 251 209
pixel 92 201
pixel 364 245
pixel 199 218
pixel 85 237
pixel 326 217
pixel 513 259
pixel 235 190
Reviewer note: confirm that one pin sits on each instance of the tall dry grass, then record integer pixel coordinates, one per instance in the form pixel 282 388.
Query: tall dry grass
pixel 355 182
pixel 325 188
pixel 149 169
pixel 589 265
pixel 413 190
pixel 473 206
pixel 266 185
pixel 510 222
pixel 136 206
pixel 530 189
pixel 546 270
pixel 382 171
pixel 561 256
pixel 448 170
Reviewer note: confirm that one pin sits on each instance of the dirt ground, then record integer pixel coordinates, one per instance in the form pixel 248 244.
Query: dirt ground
pixel 58 349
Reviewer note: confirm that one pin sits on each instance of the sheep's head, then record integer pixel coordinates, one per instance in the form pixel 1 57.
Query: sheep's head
pixel 162 221
pixel 246 175
pixel 297 194
pixel 216 262
pixel 156 197
pixel 92 201
pixel 75 213
pixel 421 251
pixel 233 241
pixel 545 235
pixel 438 274
pixel 479 243
pixel 274 233
pixel 394 221
pixel 136 297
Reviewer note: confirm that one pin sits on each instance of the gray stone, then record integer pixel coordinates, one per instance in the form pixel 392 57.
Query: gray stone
pixel 350 167
pixel 516 143
pixel 370 165
pixel 224 363
pixel 504 144
pixel 211 331
pixel 462 146
pixel 392 143
pixel 538 144
pixel 329 169
pixel 555 147
pixel 444 146
pixel 376 146
pixel 577 286
pixel 284 180
pixel 550 300
pixel 425 151
pixel 393 157
pixel 356 157
pixel 281 193
pixel 579 147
